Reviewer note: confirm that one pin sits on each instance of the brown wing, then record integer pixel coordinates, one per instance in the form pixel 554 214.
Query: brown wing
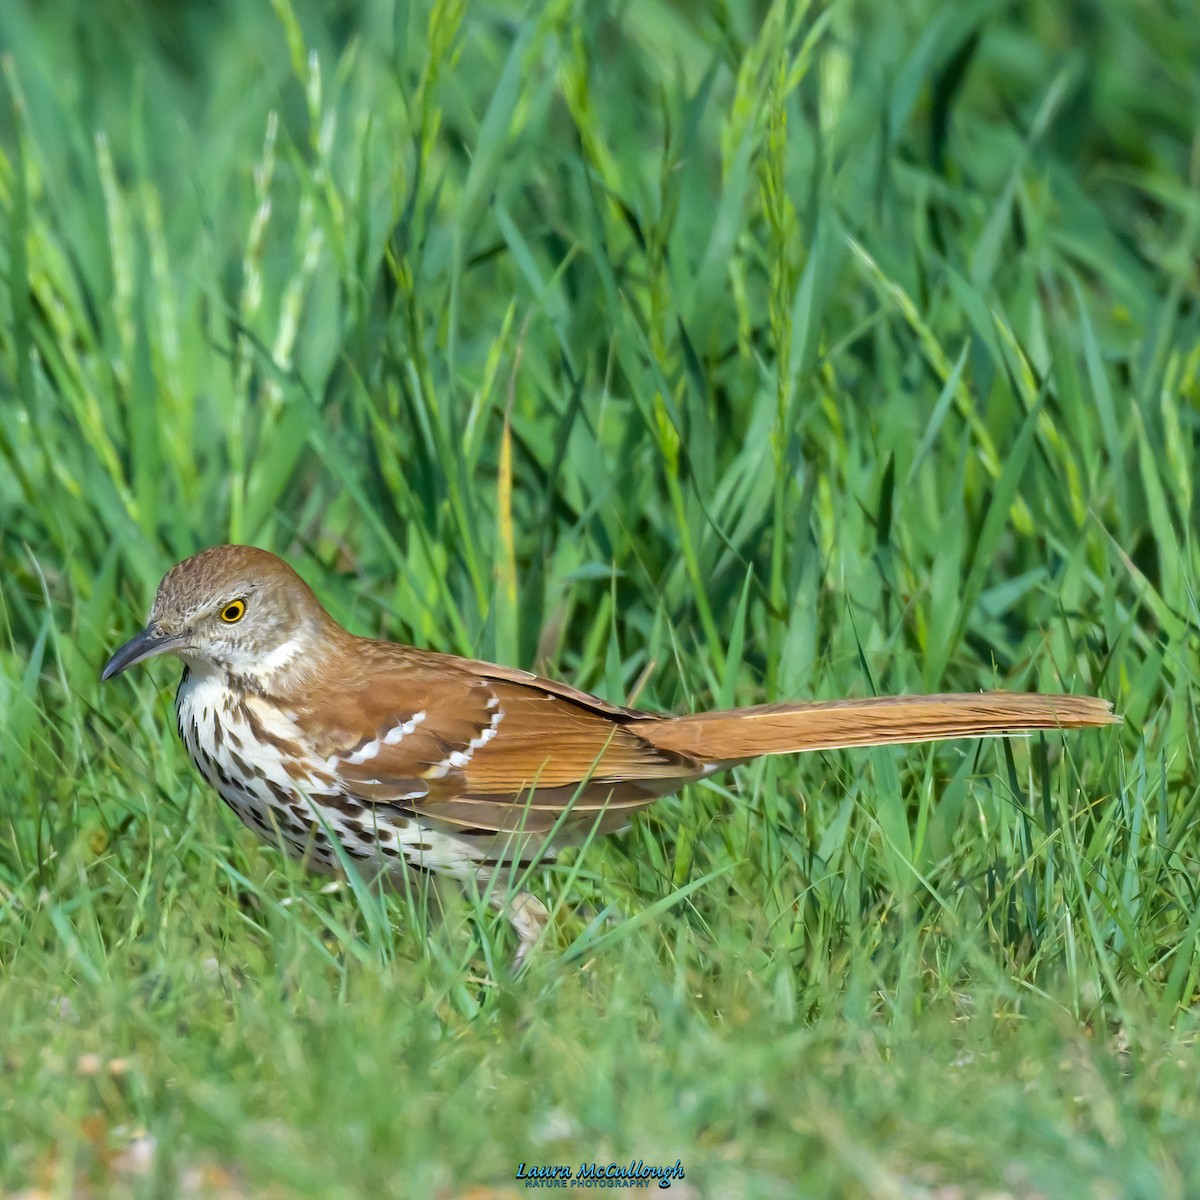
pixel 484 747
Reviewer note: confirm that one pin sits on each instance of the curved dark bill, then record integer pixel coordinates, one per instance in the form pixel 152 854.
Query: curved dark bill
pixel 144 645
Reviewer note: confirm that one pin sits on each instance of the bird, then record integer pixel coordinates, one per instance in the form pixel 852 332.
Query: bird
pixel 350 751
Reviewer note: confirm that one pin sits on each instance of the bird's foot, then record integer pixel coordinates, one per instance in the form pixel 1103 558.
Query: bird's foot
pixel 528 916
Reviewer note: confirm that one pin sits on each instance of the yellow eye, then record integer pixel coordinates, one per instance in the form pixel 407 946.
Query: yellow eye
pixel 235 610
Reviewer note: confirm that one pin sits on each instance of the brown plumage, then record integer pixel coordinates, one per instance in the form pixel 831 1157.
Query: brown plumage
pixel 405 756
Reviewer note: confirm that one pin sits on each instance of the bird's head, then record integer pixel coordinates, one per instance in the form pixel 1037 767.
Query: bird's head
pixel 236 610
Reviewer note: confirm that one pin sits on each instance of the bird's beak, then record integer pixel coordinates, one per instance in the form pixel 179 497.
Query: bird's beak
pixel 147 644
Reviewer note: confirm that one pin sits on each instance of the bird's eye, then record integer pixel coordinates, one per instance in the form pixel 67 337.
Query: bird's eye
pixel 235 610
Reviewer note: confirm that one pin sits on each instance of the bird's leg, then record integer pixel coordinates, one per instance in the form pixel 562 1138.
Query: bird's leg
pixel 528 917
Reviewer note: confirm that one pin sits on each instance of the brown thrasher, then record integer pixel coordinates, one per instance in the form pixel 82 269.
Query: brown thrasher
pixel 442 764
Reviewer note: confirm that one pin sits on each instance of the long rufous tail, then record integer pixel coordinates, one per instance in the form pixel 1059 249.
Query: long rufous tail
pixel 742 733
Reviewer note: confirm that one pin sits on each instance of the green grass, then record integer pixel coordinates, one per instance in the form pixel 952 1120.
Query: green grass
pixel 709 353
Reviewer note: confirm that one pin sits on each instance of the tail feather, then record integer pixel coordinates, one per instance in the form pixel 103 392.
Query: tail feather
pixel 742 733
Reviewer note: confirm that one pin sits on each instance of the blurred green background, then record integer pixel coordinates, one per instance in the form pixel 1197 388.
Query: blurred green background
pixel 698 353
